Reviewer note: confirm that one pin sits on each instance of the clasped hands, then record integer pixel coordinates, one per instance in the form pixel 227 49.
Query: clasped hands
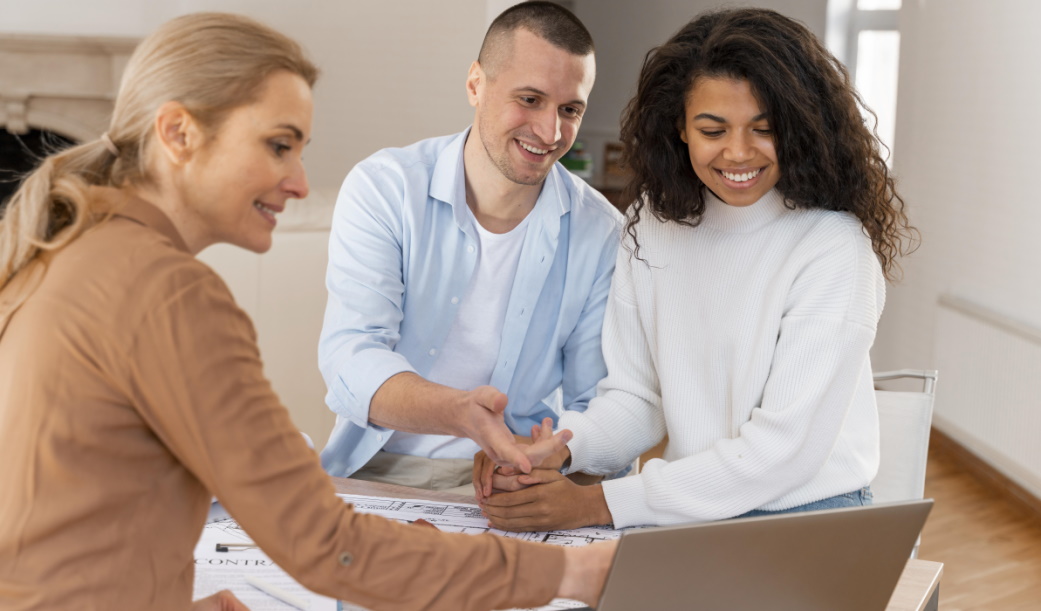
pixel 483 422
pixel 540 498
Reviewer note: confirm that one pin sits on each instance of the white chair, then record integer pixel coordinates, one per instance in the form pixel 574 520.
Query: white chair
pixel 904 420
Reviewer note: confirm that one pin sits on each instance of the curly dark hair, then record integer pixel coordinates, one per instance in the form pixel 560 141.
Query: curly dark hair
pixel 828 157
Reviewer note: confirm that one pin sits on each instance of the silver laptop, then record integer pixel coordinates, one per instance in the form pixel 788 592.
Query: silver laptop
pixel 840 559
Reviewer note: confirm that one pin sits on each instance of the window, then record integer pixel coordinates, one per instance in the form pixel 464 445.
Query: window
pixel 865 36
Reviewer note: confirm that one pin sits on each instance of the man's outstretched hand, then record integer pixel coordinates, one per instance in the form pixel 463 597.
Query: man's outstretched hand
pixel 407 402
pixel 483 422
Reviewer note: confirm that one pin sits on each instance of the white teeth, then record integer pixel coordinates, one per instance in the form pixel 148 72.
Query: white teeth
pixel 263 208
pixel 532 149
pixel 740 177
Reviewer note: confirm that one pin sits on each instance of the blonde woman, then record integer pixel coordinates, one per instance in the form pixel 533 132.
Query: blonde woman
pixel 131 387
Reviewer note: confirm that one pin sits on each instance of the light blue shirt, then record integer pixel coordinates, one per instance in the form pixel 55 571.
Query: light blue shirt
pixel 402 252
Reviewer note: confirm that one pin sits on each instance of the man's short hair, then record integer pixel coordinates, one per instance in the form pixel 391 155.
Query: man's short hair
pixel 547 20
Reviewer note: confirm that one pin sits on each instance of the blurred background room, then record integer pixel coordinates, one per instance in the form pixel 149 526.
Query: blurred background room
pixel 956 89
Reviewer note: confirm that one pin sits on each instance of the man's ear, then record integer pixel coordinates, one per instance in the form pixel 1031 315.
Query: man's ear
pixel 177 132
pixel 474 81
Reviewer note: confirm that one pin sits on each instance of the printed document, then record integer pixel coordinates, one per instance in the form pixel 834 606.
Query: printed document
pixel 216 571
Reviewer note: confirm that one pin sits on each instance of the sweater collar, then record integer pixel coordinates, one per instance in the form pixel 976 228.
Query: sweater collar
pixel 742 219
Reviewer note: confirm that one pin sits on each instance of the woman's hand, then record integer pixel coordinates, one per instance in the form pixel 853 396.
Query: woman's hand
pixel 226 601
pixel 585 571
pixel 545 450
pixel 550 502
pixel 485 470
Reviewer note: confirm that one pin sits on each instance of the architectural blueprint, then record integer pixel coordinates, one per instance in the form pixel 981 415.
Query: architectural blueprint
pixel 215 571
pixel 466 518
pixel 219 570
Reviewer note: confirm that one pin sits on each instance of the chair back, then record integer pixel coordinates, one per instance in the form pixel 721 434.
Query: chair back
pixel 905 419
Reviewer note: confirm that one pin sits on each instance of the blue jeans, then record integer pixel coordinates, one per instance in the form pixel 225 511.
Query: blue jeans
pixel 857 498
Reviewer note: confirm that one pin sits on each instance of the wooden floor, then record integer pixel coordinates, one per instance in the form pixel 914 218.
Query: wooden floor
pixel 991 549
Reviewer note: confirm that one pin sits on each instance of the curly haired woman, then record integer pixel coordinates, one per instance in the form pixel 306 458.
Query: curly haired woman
pixel 746 299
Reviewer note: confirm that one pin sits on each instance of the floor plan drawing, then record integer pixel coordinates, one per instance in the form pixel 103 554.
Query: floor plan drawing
pixel 216 570
pixel 466 518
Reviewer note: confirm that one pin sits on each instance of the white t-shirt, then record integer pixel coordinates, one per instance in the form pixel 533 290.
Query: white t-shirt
pixel 471 349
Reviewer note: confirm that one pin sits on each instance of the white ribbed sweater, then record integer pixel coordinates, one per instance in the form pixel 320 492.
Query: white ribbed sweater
pixel 746 338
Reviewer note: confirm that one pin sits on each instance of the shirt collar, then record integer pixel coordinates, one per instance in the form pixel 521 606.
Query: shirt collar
pixel 448 183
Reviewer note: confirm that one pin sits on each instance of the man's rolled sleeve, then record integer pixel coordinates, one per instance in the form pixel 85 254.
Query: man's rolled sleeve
pixel 366 289
pixel 355 385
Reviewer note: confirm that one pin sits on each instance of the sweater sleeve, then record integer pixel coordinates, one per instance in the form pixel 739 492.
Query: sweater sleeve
pixel 196 377
pixel 627 418
pixel 819 359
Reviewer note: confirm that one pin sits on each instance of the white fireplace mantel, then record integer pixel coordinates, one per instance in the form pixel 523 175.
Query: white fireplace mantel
pixel 65 84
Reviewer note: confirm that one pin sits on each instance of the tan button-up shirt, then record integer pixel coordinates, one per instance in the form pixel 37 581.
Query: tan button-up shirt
pixel 131 388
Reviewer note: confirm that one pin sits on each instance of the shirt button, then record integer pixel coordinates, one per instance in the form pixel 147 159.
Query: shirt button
pixel 432 352
pixel 346 558
pixel 455 300
pixel 469 249
pixel 379 436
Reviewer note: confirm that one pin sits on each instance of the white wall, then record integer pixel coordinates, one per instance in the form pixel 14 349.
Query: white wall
pixel 967 160
pixel 392 72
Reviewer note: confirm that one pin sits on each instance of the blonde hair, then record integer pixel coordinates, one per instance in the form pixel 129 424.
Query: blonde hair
pixel 211 63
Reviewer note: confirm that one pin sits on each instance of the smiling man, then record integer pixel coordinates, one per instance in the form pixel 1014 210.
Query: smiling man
pixel 468 274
